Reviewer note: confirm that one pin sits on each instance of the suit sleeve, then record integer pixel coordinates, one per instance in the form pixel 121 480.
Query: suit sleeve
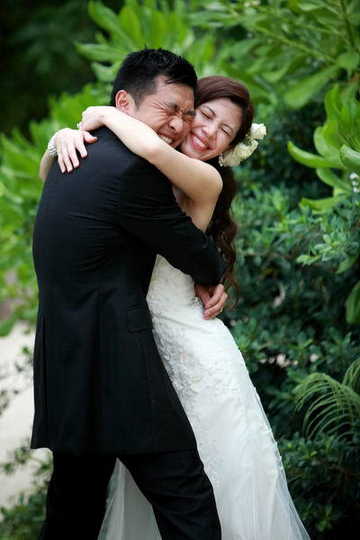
pixel 148 210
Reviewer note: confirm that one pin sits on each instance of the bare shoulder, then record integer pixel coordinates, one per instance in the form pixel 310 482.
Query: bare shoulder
pixel 214 180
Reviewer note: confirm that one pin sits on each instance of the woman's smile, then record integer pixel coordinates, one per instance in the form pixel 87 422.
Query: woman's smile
pixel 215 125
pixel 197 142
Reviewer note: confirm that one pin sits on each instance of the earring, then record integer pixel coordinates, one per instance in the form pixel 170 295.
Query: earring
pixel 221 160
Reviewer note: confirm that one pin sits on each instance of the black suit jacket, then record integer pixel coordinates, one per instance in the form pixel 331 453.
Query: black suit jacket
pixel 99 383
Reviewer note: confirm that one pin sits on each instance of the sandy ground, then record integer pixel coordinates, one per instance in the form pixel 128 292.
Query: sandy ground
pixel 16 421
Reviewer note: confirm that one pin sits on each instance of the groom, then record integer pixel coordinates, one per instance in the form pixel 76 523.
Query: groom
pixel 101 390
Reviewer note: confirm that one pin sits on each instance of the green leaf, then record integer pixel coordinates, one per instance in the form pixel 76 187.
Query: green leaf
pixel 277 74
pixel 353 305
pixel 133 4
pixel 306 259
pixel 131 24
pixel 348 60
pixel 244 47
pixel 326 144
pixel 347 263
pixel 150 4
pixel 352 376
pixel 320 205
pixel 310 160
pixel 159 28
pixel 203 52
pixel 180 26
pixel 7 325
pixel 300 93
pixel 328 141
pixel 108 20
pixel 333 180
pixel 100 53
pixel 299 5
pixel 350 158
pixel 330 405
pixel 105 73
pixel 104 17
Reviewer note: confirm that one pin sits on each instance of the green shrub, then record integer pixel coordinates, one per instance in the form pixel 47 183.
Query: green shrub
pixel 287 51
pixel 324 478
pixel 24 519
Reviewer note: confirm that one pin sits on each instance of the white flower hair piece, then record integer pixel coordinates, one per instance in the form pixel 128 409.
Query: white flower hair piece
pixel 245 148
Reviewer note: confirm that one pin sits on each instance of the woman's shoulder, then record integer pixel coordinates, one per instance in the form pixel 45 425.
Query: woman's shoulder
pixel 214 178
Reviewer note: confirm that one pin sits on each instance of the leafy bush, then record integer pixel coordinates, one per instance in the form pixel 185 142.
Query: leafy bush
pixel 24 519
pixel 290 49
pixel 33 42
pixel 20 189
pixel 338 142
pixel 324 479
pixel 332 407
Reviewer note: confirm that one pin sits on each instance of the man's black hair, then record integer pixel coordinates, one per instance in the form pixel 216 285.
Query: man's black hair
pixel 138 72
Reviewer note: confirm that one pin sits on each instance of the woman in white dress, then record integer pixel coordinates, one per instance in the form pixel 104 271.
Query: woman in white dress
pixel 207 369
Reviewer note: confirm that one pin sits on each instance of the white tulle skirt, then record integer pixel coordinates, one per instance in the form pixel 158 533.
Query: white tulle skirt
pixel 235 440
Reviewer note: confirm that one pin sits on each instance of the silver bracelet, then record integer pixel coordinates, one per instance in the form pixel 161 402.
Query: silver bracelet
pixel 51 147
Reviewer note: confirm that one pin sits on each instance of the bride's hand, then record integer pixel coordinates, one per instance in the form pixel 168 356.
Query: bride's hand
pixel 213 299
pixel 95 117
pixel 68 143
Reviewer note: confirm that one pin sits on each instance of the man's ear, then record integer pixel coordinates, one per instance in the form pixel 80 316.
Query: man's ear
pixel 125 102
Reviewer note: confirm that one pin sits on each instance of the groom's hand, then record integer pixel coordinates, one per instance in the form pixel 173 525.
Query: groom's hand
pixel 213 299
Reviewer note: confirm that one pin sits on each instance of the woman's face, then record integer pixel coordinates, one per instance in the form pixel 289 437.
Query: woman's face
pixel 214 127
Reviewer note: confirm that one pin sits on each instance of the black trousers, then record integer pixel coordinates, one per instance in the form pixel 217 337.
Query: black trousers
pixel 174 482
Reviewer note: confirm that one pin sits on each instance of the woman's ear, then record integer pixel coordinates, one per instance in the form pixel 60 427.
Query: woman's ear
pixel 124 102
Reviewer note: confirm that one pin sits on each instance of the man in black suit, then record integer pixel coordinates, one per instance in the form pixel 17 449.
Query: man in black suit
pixel 101 390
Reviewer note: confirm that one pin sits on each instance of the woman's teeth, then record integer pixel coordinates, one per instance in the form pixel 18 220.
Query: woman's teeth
pixel 198 143
pixel 166 139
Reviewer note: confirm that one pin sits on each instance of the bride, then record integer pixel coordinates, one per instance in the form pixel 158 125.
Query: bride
pixel 207 369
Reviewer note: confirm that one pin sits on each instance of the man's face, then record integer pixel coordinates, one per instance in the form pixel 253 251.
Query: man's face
pixel 169 110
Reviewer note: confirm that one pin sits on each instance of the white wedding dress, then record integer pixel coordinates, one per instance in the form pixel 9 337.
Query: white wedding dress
pixel 234 437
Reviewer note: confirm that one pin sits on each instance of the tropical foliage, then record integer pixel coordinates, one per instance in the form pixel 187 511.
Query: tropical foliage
pixel 338 143
pixel 298 210
pixel 293 48
pixel 334 406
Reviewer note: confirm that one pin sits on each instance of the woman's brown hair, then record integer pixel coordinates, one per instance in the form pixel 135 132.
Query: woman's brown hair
pixel 222 226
